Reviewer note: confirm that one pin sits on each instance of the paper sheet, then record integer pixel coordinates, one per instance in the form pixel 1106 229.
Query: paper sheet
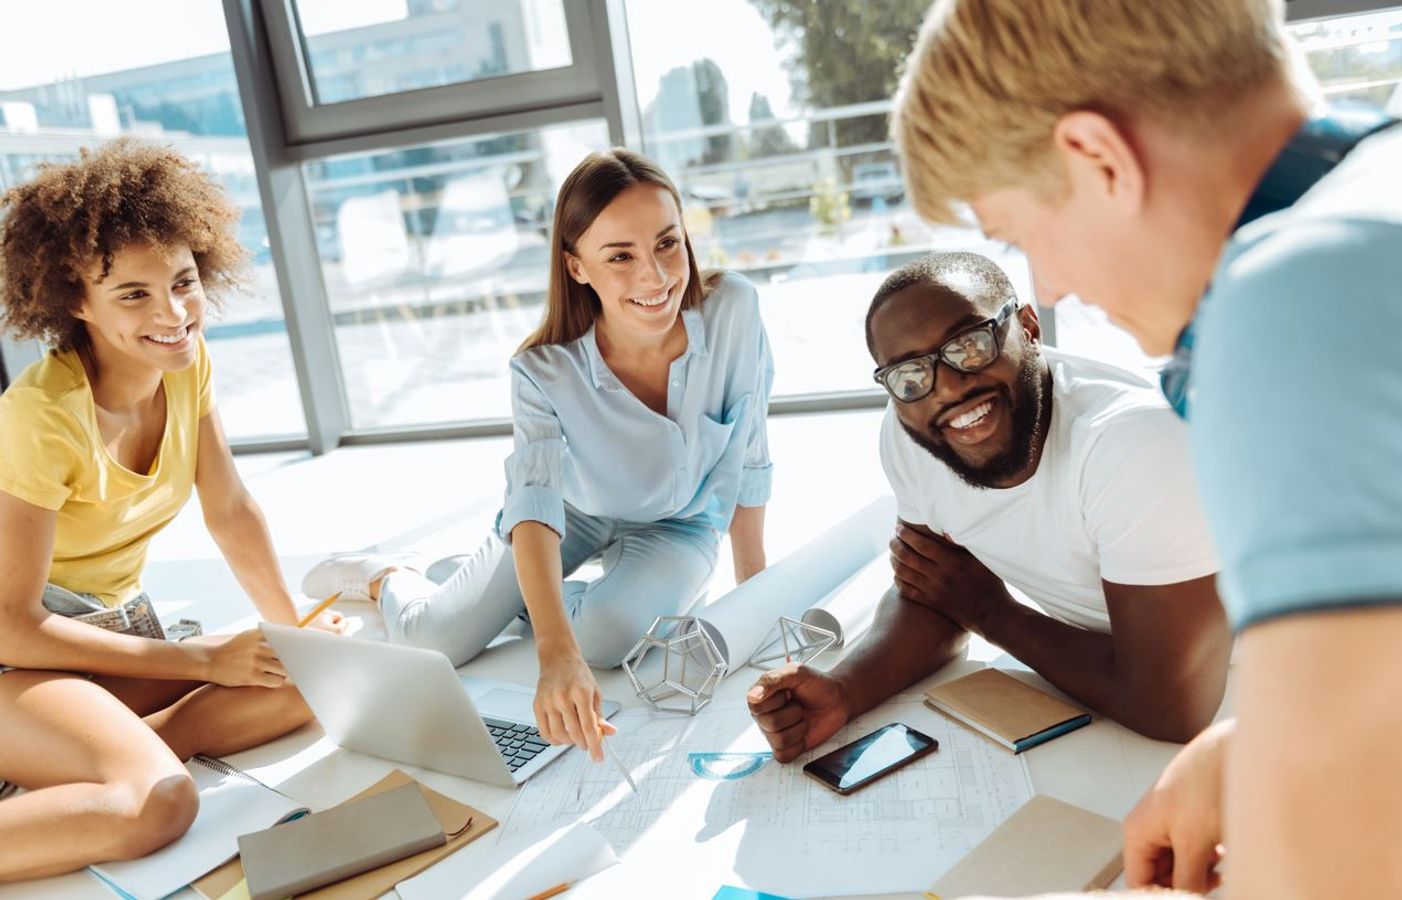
pixel 848 611
pixel 739 620
pixel 770 827
pixel 531 863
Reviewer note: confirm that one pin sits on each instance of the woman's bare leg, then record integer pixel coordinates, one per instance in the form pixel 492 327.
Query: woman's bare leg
pixel 192 717
pixel 101 784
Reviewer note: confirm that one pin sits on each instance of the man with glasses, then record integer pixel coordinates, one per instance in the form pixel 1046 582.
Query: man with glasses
pixel 1015 465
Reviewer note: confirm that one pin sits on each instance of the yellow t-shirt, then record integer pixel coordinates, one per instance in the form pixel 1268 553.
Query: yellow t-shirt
pixel 52 455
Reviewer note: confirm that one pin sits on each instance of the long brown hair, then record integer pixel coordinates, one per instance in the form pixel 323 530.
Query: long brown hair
pixel 571 307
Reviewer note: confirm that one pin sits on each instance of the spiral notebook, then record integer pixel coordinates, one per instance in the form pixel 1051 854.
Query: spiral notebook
pixel 232 803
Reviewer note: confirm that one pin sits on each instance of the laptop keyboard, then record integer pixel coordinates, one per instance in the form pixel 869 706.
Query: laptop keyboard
pixel 519 744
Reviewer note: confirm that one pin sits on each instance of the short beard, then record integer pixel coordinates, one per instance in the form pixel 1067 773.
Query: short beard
pixel 1030 403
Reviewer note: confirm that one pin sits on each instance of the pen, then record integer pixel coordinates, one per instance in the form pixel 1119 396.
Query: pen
pixel 317 610
pixel 618 763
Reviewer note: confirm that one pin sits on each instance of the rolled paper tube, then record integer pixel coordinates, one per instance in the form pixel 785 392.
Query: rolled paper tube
pixel 848 611
pixel 739 621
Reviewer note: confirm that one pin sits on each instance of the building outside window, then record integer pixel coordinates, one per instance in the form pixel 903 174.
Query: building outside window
pixel 771 117
pixel 435 260
pixel 165 75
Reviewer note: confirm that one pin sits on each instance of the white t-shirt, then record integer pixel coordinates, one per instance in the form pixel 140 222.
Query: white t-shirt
pixel 1113 497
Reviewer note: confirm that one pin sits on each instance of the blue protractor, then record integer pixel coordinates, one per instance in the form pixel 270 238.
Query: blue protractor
pixel 727 766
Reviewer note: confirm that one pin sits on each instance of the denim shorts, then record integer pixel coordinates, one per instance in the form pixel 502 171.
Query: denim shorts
pixel 133 617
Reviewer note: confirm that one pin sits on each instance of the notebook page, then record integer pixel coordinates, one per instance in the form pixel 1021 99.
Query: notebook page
pixel 230 805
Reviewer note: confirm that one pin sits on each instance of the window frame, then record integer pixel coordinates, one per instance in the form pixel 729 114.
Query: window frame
pixel 286 129
pixel 1305 10
pixel 305 121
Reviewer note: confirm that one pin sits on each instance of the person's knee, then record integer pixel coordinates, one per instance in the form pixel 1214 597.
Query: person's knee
pixel 459 648
pixel 289 707
pixel 606 635
pixel 152 812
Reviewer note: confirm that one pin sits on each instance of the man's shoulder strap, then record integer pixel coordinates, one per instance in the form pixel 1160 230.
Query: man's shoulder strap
pixel 1314 151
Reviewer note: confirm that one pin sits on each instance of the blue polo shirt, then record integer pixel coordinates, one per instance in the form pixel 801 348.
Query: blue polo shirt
pixel 1296 422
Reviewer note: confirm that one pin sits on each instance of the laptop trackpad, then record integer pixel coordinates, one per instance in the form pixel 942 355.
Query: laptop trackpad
pixel 517 706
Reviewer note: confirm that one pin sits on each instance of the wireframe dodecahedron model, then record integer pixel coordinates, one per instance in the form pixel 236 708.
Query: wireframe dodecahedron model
pixel 675 661
pixel 791 641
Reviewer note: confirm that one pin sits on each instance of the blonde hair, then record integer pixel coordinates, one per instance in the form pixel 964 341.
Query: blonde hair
pixel 989 79
pixel 571 307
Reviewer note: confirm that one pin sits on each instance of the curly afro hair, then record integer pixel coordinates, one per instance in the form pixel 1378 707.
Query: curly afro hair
pixel 70 215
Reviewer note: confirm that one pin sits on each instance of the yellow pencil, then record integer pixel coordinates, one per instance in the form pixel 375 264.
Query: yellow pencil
pixel 317 610
pixel 557 889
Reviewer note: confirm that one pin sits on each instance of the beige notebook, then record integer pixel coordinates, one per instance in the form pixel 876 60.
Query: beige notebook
pixel 1044 847
pixel 1004 709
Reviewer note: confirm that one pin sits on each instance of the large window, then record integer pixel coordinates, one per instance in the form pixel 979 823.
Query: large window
pixel 345 69
pixel 416 147
pixel 772 118
pixel 435 261
pixel 1357 58
pixel 376 47
pixel 165 75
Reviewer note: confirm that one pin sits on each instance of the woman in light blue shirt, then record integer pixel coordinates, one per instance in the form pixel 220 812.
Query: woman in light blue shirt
pixel 638 411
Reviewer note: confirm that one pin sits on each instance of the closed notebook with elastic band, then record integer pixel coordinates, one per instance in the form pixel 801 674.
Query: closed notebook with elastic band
pixel 1005 710
pixel 1046 846
pixel 343 841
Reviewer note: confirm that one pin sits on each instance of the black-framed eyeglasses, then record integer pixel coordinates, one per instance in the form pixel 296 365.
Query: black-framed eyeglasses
pixel 968 351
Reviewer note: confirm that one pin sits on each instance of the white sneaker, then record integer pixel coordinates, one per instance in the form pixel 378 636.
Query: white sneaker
pixel 348 575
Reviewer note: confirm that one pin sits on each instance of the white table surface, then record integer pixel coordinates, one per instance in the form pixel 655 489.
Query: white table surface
pixel 1103 767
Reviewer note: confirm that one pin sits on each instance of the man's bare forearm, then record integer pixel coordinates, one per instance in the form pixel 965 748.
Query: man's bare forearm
pixel 906 643
pixel 1083 663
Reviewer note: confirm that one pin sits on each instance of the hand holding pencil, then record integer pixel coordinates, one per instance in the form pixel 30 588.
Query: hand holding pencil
pixel 323 618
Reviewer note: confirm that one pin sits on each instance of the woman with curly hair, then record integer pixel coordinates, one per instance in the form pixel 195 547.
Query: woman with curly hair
pixel 108 259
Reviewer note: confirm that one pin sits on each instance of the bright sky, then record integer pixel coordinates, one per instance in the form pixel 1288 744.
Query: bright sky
pixel 43 42
pixel 666 34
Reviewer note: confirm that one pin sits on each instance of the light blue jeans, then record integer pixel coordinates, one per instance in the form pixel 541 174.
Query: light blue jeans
pixel 651 569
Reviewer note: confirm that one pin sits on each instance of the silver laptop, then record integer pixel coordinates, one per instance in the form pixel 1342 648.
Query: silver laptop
pixel 409 705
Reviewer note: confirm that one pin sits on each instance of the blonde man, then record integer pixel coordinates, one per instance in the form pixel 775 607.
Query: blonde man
pixel 1164 161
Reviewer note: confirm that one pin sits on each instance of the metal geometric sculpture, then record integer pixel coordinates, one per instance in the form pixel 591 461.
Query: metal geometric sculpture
pixel 690 665
pixel 791 641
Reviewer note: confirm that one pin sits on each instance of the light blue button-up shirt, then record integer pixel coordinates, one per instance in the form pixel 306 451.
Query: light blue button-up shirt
pixel 584 439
